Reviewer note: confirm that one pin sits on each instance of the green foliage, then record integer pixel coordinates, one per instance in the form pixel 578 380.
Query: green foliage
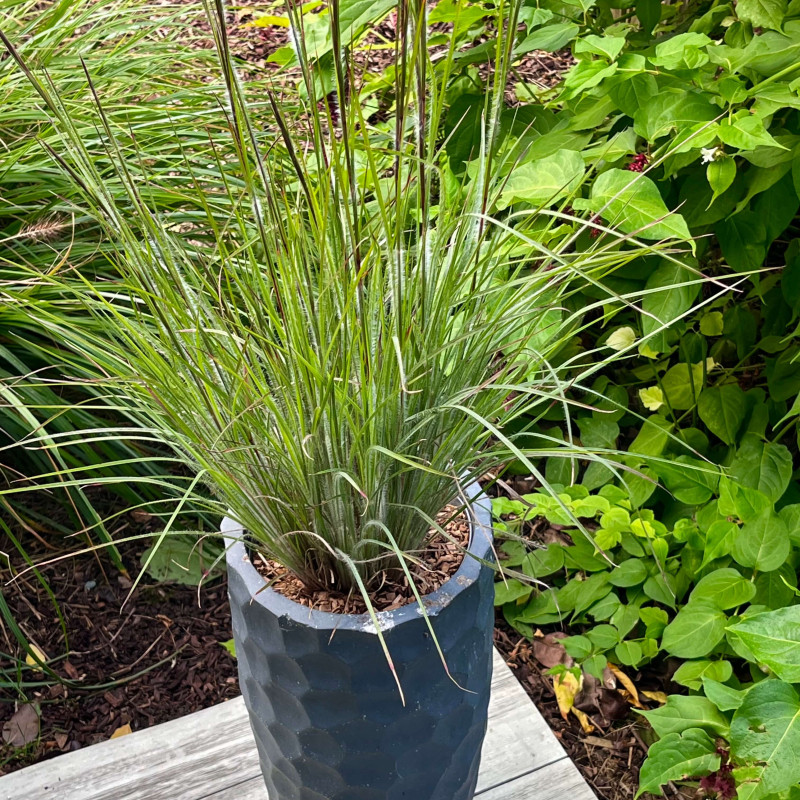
pixel 713 589
pixel 329 364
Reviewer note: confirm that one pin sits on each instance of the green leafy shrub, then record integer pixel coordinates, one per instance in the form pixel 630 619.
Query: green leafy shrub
pixel 716 589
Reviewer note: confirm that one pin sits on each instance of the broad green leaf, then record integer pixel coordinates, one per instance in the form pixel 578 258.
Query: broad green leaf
pixel 621 338
pixel 541 609
pixel 676 757
pixel 774 639
pixel 765 466
pixel 723 588
pixel 181 559
pixel 577 646
pixel 549 38
pixel 655 620
pixel 356 15
pixel 762 13
pixel 632 572
pixel 652 437
pixel 743 239
pixel 632 202
pixel 723 697
pixel 776 589
pixel 586 75
pixel 691 481
pixel 791 516
pixel 540 563
pixel 628 653
pixel 670 293
pixel 745 131
pixel 682 385
pixel 741 501
pixel 720 174
pixel 661 588
pixel 599 430
pixel 712 324
pixel 652 397
pixel 510 590
pixel 763 542
pixel 605 608
pixel 463 15
pixel 684 51
pixel 544 181
pixel 230 646
pixel 672 110
pixel 680 713
pixel 625 619
pixel 723 409
pixel 691 673
pixel 696 630
pixel 603 637
pixel 607 46
pixel 765 733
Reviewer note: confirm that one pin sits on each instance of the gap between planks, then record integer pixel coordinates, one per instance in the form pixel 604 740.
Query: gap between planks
pixel 210 755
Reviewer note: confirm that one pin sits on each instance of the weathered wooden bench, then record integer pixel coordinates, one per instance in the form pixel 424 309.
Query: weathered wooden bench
pixel 210 755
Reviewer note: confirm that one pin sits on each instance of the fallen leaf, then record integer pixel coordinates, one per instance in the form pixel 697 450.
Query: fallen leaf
pixel 123 730
pixel 35 658
pixel 61 740
pixel 549 651
pixel 595 697
pixel 656 697
pixel 23 727
pixel 566 686
pixel 230 646
pixel 596 741
pixel 628 684
pixel 584 720
pixel 71 671
pixel 140 516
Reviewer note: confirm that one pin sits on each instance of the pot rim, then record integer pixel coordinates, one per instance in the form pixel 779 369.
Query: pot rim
pixel 480 542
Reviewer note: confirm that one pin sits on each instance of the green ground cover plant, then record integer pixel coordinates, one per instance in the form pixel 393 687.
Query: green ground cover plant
pixel 716 590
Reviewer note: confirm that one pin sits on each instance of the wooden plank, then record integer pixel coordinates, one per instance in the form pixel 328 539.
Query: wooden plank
pixel 552 782
pixel 211 751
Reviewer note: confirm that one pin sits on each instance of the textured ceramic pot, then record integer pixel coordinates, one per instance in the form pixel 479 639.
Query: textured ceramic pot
pixel 325 711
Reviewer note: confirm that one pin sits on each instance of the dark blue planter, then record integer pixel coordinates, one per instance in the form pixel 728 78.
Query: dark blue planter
pixel 324 708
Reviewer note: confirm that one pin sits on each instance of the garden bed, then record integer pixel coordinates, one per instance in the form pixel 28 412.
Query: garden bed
pixel 156 658
pixel 161 656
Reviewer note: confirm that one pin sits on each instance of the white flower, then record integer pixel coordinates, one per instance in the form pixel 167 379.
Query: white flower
pixel 709 154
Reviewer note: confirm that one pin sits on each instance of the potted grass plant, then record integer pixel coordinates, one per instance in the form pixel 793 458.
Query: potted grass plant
pixel 340 369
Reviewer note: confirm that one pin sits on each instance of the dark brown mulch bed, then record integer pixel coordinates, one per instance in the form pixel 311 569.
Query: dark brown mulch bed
pixel 610 757
pixel 162 653
pixel 156 659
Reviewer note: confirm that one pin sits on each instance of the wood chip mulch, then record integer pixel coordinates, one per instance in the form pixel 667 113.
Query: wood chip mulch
pixel 155 659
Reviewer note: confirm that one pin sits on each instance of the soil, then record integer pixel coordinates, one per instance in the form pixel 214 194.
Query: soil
pixel 433 566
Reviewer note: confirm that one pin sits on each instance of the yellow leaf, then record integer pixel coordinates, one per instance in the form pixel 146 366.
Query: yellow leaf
pixel 628 684
pixel 621 338
pixel 566 686
pixel 35 662
pixel 652 397
pixel 123 730
pixel 269 21
pixel 656 697
pixel 584 720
